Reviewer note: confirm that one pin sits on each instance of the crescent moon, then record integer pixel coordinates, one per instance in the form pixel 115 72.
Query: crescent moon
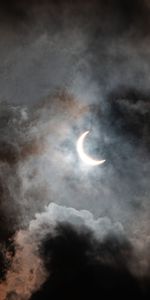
pixel 84 157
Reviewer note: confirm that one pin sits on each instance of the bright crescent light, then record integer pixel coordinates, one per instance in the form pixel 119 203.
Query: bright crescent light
pixel 84 157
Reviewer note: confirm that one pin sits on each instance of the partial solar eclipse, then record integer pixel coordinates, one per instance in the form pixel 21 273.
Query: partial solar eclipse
pixel 83 156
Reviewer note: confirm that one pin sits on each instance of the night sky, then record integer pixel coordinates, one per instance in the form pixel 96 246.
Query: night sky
pixel 69 230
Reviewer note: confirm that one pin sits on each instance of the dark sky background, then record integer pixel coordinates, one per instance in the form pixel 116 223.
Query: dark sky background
pixel 66 229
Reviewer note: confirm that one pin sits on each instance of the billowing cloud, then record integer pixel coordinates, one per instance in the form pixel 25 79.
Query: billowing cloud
pixel 63 245
pixel 80 266
pixel 28 271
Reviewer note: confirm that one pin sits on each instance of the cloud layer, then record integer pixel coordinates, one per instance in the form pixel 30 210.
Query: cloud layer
pixel 67 68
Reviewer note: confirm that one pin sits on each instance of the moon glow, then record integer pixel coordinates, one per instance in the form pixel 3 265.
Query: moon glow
pixel 84 157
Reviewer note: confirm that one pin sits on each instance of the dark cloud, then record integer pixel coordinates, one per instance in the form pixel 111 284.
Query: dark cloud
pixel 80 267
pixel 7 251
pixel 122 11
pixel 89 47
pixel 129 115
